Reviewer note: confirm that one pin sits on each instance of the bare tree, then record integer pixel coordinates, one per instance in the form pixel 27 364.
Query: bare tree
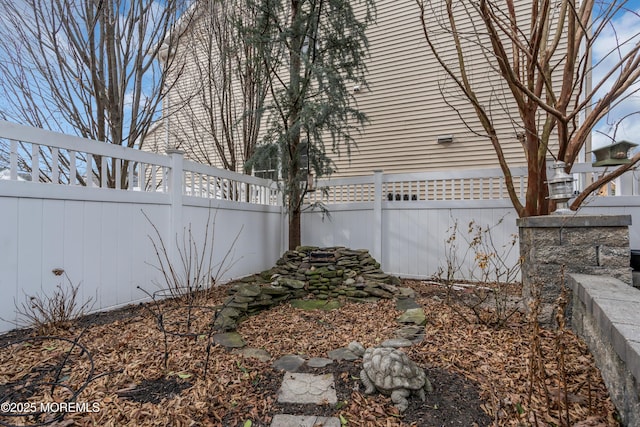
pixel 88 67
pixel 215 110
pixel 540 53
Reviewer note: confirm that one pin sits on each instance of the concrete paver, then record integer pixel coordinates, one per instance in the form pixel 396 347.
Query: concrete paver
pixel 307 388
pixel 284 420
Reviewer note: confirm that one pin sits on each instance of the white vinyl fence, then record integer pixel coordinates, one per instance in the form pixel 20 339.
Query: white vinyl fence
pixel 60 209
pixel 407 219
pixel 55 213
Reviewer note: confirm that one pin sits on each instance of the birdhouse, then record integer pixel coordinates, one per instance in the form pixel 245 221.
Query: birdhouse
pixel 614 154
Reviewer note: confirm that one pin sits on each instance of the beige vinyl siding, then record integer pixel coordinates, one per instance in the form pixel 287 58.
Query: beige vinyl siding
pixel 405 106
pixel 403 101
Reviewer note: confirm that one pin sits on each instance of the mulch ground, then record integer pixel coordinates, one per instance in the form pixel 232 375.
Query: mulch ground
pixel 114 364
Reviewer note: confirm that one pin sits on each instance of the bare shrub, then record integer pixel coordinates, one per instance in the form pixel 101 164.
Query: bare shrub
pixel 193 272
pixel 480 267
pixel 45 312
pixel 187 279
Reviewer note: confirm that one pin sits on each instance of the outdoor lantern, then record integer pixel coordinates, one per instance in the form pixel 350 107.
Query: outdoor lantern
pixel 614 154
pixel 560 188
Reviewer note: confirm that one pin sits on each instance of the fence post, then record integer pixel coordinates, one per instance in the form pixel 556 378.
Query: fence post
pixel 377 215
pixel 175 186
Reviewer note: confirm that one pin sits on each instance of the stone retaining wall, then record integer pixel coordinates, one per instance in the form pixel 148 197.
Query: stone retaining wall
pixel 323 273
pixel 587 244
pixel 606 314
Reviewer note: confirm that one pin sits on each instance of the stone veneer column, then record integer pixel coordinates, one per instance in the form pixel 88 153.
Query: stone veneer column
pixel 588 244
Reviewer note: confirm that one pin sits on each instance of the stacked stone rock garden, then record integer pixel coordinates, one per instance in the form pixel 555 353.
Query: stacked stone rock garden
pixel 307 276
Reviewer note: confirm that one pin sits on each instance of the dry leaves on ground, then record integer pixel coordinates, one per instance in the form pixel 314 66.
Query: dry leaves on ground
pixel 130 351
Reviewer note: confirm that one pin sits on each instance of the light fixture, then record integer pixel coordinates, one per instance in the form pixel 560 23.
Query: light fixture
pixel 560 188
pixel 444 139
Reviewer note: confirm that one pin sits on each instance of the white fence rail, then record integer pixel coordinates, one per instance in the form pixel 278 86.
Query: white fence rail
pixel 100 236
pixel 473 184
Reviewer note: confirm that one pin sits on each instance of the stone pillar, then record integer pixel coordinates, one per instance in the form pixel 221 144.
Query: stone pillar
pixel 587 244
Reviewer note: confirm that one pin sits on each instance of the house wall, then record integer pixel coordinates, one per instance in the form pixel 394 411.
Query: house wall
pixel 193 108
pixel 409 100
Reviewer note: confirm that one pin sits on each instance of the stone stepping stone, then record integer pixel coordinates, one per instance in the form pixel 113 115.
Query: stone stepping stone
pixel 229 340
pixel 404 304
pixel 289 363
pixel 413 333
pixel 307 388
pixel 396 343
pixel 319 362
pixel 342 354
pixel 283 420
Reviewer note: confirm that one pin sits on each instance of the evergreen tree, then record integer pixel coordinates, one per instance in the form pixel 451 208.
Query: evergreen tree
pixel 316 51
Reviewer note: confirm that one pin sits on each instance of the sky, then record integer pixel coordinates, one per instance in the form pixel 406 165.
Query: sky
pixel 626 25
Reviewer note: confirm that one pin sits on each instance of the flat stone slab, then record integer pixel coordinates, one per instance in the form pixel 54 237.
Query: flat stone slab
pixel 283 420
pixel 342 354
pixel 319 362
pixel 396 343
pixel 229 340
pixel 307 388
pixel 289 363
pixel 405 303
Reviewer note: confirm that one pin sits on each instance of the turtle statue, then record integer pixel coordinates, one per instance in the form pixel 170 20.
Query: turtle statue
pixel 392 373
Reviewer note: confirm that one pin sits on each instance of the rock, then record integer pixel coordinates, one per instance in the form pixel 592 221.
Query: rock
pixel 291 283
pixel 242 299
pixel 289 363
pixel 248 290
pixel 378 292
pixel 415 316
pixel 229 340
pixel 410 333
pixel 308 388
pixel 226 319
pixel 406 292
pixel 324 272
pixel 319 362
pixel 376 276
pixel 404 304
pixel 287 420
pixel 356 348
pixel 342 354
pixel 396 343
pixel 314 304
pixel 395 281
